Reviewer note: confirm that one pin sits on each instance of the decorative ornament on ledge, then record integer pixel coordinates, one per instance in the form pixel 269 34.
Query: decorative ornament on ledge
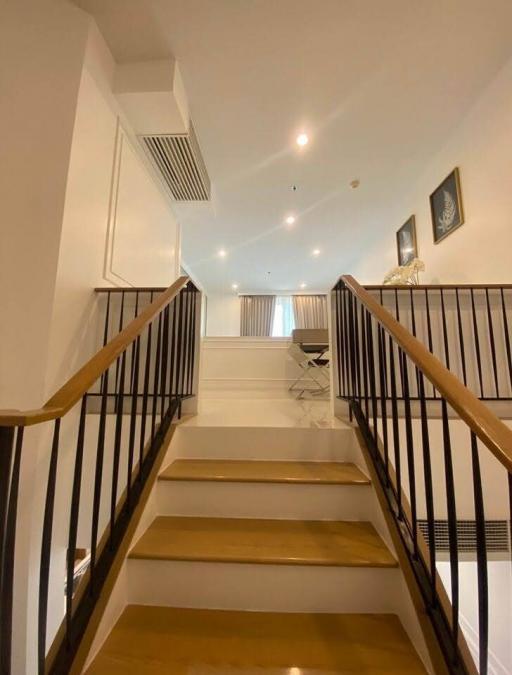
pixel 405 275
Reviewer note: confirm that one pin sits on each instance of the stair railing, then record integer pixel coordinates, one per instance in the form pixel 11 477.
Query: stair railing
pixel 466 326
pixel 428 455
pixel 140 378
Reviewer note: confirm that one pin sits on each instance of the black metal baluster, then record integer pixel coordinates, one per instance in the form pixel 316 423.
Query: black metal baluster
pixel 491 340
pixel 365 364
pixel 452 520
pixel 132 354
pixel 179 346
pixel 74 513
pixel 429 492
pixel 445 332
pixel 357 349
pixel 156 376
pixel 383 402
pixel 346 345
pixel 400 362
pixel 413 328
pixel 410 451
pixel 481 558
pixel 371 373
pixel 105 333
pixel 98 476
pixel 184 340
pixel 117 450
pixel 120 328
pixel 352 345
pixel 172 360
pixel 133 420
pixel 145 392
pixel 477 343
pixel 461 338
pixel 507 338
pixel 165 355
pixel 191 333
pixel 339 349
pixel 429 333
pixel 396 433
pixel 9 510
pixel 193 342
pixel 46 544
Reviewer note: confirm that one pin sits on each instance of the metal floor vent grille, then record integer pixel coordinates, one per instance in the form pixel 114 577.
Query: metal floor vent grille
pixel 179 160
pixel 497 534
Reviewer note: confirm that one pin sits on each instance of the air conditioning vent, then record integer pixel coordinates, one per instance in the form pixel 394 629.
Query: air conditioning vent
pixel 497 535
pixel 179 161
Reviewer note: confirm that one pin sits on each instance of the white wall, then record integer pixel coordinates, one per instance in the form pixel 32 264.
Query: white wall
pixel 479 251
pixel 118 227
pixel 223 315
pixel 246 366
pixel 70 181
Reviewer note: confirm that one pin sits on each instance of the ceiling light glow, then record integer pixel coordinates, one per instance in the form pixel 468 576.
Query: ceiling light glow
pixel 302 139
pixel 290 220
pixel 222 253
pixel 303 285
pixel 315 251
pixel 234 286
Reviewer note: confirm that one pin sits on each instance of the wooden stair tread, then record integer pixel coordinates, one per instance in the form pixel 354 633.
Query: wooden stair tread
pixel 250 471
pixel 244 540
pixel 162 640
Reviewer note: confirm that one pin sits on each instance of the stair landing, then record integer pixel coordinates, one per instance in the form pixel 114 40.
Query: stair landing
pixel 165 640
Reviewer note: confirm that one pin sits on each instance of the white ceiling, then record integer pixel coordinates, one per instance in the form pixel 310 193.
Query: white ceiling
pixel 377 84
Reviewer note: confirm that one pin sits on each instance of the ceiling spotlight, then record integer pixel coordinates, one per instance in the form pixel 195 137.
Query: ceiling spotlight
pixel 303 285
pixel 302 139
pixel 290 220
pixel 355 183
pixel 234 286
pixel 315 251
pixel 222 253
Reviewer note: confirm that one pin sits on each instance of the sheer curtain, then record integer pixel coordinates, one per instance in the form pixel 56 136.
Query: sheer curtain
pixel 310 311
pixel 257 314
pixel 284 321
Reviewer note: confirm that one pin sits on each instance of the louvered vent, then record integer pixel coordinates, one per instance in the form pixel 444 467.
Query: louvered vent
pixel 497 535
pixel 178 159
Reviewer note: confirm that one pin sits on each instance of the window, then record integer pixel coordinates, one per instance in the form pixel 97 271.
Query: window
pixel 284 321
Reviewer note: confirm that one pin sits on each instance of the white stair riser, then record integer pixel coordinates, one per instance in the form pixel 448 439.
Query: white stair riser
pixel 279 588
pixel 264 500
pixel 263 443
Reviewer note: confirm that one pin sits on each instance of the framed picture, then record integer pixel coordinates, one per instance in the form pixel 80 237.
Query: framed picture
pixel 446 207
pixel 406 242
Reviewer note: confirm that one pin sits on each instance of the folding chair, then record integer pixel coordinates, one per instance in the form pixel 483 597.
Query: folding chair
pixel 308 349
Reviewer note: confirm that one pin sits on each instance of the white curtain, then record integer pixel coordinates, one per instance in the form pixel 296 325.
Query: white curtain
pixel 257 314
pixel 310 311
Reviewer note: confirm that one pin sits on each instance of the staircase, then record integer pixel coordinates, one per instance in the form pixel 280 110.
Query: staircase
pixel 265 551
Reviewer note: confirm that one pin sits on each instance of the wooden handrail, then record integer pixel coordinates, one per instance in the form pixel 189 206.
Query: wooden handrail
pixel 488 428
pixel 68 395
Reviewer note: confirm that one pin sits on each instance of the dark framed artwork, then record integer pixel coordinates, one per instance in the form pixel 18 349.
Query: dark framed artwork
pixel 406 242
pixel 446 207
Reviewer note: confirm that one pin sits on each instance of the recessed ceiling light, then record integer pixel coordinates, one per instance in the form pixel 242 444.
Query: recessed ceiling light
pixel 302 139
pixel 355 183
pixel 234 286
pixel 315 251
pixel 222 253
pixel 303 285
pixel 290 220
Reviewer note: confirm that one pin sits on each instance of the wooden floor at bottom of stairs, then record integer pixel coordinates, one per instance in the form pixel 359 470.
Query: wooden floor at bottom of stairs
pixel 170 641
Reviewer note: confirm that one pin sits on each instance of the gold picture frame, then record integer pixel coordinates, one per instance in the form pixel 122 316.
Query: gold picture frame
pixel 406 244
pixel 446 209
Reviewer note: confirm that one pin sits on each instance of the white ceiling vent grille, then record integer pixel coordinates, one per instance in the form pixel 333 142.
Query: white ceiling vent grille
pixel 179 160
